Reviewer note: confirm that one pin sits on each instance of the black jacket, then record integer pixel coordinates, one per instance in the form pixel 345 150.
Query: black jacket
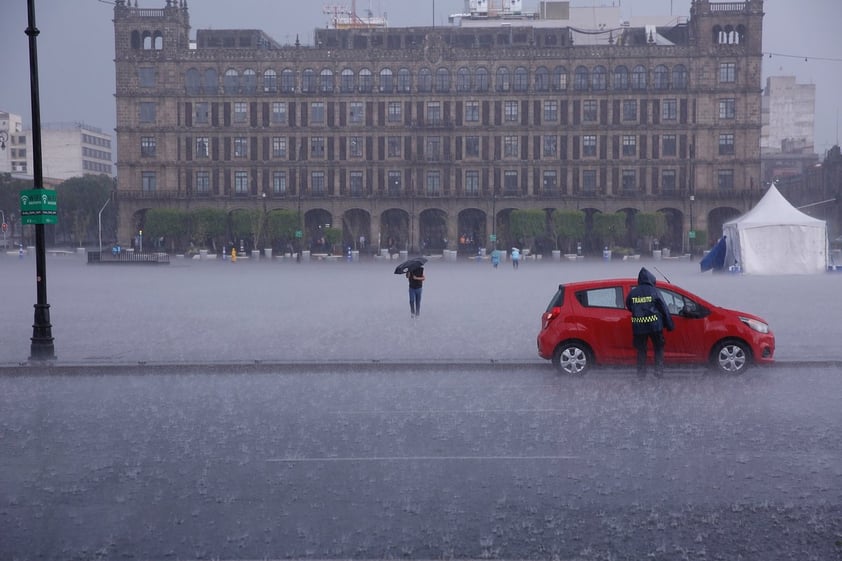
pixel 649 311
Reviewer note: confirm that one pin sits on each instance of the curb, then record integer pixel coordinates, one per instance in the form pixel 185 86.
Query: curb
pixel 47 368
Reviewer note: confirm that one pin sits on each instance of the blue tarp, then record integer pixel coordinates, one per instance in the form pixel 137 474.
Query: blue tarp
pixel 715 259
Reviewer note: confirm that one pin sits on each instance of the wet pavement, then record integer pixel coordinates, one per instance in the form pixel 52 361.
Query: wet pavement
pixel 376 462
pixel 272 410
pixel 280 311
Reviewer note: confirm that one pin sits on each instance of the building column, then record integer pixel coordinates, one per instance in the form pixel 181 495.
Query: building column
pixel 453 230
pixel 374 240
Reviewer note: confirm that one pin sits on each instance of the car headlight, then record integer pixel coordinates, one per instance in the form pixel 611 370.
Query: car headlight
pixel 758 326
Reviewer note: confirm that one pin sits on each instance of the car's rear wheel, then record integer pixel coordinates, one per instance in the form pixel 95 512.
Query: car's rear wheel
pixel 731 357
pixel 573 358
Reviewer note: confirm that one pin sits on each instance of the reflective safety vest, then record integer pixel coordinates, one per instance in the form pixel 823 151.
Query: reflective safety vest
pixel 645 319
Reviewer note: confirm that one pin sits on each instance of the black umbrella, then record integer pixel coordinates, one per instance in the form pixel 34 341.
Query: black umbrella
pixel 410 265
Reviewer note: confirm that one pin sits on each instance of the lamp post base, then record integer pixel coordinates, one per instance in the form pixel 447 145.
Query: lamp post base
pixel 42 347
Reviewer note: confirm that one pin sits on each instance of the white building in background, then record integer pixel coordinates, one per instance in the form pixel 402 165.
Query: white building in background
pixel 72 150
pixel 67 150
pixel 13 146
pixel 789 116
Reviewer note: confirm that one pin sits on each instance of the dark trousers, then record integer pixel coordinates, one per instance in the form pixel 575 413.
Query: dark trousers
pixel 415 301
pixel 657 343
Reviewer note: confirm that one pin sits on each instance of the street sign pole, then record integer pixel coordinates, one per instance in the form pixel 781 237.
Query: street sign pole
pixel 42 347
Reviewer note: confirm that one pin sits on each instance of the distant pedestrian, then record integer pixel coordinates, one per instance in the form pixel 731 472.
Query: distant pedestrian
pixel 495 258
pixel 650 316
pixel 515 257
pixel 416 282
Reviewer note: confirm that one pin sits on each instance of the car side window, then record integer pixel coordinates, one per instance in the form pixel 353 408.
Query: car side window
pixel 611 297
pixel 675 302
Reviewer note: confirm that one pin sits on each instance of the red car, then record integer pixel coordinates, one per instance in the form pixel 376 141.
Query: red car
pixel 587 323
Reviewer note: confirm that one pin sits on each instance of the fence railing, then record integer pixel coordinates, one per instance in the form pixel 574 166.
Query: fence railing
pixel 127 257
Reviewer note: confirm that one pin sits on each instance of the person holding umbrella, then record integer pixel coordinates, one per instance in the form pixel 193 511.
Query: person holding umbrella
pixel 414 271
pixel 416 281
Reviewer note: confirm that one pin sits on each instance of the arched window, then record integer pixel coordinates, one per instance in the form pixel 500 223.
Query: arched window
pixel 621 78
pixel 158 41
pixel 679 77
pixel 521 82
pixel 326 81
pixel 425 80
pixel 638 78
pixel 270 81
pixel 559 83
pixel 210 83
pixel 147 41
pixel 249 81
pixel 287 80
pixel 136 42
pixel 308 81
pixel 192 81
pixel 463 80
pixel 661 78
pixel 231 82
pixel 599 78
pixel 581 78
pixel 366 81
pixel 387 82
pixel 404 80
pixel 504 79
pixel 347 84
pixel 542 79
pixel 442 80
pixel 483 80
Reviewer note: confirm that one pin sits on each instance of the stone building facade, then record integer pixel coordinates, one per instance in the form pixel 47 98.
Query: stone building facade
pixel 427 138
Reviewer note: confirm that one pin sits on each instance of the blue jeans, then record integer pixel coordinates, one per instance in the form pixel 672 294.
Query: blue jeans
pixel 415 301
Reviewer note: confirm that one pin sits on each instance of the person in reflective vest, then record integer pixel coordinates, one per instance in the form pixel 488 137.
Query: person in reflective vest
pixel 650 316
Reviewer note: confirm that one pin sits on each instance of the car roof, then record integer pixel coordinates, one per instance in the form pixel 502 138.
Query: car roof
pixel 606 282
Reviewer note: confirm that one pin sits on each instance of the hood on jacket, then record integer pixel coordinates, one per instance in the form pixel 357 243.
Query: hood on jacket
pixel 645 277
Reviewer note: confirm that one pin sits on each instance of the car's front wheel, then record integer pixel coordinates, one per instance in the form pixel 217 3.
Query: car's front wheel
pixel 731 357
pixel 573 358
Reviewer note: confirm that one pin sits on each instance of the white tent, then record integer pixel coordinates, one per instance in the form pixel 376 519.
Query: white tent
pixel 776 238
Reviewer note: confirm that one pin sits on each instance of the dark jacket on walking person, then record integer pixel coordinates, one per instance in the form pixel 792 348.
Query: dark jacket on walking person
pixel 416 282
pixel 650 316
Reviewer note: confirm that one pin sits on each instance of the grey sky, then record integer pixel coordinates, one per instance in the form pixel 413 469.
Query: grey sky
pixel 76 46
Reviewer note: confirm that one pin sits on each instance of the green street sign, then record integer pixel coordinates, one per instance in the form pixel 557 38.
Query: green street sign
pixel 38 206
pixel 692 234
pixel 492 238
pixel 298 234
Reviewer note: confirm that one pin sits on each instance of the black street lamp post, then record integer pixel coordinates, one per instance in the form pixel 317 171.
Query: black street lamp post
pixel 42 347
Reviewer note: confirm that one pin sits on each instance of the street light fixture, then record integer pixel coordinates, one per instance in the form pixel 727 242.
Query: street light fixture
pixel 99 224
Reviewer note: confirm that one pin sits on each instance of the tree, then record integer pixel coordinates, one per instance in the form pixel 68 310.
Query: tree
pixel 10 189
pixel 169 223
pixel 242 224
pixel 650 225
pixel 609 228
pixel 80 200
pixel 526 225
pixel 332 237
pixel 569 226
pixel 281 226
pixel 208 225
